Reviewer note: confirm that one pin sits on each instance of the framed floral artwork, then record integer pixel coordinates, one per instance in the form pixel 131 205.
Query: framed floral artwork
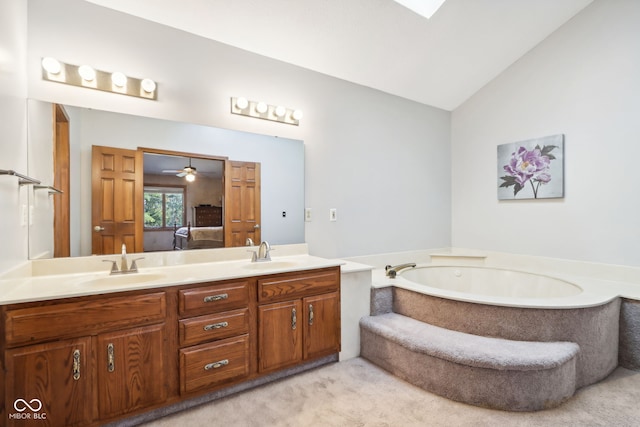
pixel 531 169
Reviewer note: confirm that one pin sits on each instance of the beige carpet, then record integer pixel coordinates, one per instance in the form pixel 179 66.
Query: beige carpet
pixel 357 393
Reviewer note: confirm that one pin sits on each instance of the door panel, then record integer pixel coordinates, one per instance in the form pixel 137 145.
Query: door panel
pixel 242 203
pixel 117 201
pixel 129 365
pixel 279 335
pixel 322 325
pixel 54 379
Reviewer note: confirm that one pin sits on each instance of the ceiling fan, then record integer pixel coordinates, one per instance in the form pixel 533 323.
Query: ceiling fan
pixel 189 172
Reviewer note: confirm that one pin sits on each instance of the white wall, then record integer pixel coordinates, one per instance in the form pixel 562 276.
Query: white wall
pixel 382 161
pixel 13 131
pixel 582 81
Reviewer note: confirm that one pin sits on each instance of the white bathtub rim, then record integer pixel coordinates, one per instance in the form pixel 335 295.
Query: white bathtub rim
pixel 594 292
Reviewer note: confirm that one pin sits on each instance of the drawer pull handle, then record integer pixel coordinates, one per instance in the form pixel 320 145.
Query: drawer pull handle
pixel 216 326
pixel 219 297
pixel 310 314
pixel 110 358
pixel 76 365
pixel 216 365
pixel 294 319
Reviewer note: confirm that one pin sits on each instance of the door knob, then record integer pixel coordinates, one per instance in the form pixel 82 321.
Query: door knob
pixel 98 229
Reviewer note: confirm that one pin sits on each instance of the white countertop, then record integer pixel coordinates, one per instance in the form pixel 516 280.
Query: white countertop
pixel 39 287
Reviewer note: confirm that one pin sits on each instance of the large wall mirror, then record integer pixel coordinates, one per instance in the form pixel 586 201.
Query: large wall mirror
pixel 169 150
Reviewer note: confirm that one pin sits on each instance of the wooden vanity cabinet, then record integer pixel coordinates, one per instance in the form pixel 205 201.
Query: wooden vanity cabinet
pixel 58 375
pixel 298 318
pixel 96 359
pixel 214 334
pixel 82 359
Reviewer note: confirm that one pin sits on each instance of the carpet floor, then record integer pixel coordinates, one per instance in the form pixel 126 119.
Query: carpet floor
pixel 358 393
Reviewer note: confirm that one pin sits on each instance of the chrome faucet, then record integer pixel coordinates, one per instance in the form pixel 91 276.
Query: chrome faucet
pixel 262 254
pixel 392 271
pixel 124 268
pixel 249 242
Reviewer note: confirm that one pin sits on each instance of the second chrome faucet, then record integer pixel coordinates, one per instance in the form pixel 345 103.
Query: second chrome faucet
pixel 263 253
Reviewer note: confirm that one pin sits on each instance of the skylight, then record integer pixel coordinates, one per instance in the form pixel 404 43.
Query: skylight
pixel 425 8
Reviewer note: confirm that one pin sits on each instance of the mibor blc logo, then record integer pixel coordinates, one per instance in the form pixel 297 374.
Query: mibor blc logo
pixel 27 410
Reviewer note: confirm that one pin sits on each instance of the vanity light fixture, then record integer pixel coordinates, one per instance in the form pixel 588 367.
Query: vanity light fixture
pixel 118 79
pixel 51 65
pixel 89 77
pixel 262 110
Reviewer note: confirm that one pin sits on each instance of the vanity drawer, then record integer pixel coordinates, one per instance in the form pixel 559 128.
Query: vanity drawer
pixel 214 299
pixel 196 330
pixel 206 365
pixel 283 287
pixel 75 319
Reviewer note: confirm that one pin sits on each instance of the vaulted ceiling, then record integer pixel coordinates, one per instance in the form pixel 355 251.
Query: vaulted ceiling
pixel 380 44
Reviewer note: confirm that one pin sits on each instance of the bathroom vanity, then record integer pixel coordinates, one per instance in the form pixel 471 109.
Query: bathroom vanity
pixel 108 355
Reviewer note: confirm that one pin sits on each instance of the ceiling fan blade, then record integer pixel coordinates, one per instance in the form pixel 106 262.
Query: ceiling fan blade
pixel 181 174
pixel 172 171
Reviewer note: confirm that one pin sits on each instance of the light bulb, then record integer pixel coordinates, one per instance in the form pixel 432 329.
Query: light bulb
pixel 190 177
pixel 297 115
pixel 261 107
pixel 51 65
pixel 119 79
pixel 242 103
pixel 87 73
pixel 148 85
pixel 280 111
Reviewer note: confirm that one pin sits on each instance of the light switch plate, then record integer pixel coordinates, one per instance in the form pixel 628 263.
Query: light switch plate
pixel 333 214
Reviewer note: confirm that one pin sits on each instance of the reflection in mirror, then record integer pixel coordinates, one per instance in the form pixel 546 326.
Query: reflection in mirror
pixel 281 160
pixel 182 202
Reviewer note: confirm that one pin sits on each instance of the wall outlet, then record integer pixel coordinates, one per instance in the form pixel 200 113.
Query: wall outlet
pixel 307 214
pixel 333 214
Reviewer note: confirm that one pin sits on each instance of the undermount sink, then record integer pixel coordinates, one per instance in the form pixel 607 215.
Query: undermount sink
pixel 121 280
pixel 267 265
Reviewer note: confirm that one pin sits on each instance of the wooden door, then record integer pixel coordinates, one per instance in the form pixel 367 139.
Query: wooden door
pixel 130 367
pixel 61 181
pixel 116 200
pixel 322 325
pixel 279 335
pixel 50 384
pixel 242 203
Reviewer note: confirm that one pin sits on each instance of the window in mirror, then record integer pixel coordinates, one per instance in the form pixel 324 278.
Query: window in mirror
pixel 164 207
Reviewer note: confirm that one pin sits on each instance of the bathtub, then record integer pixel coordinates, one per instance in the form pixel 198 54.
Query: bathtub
pixel 509 304
pixel 497 286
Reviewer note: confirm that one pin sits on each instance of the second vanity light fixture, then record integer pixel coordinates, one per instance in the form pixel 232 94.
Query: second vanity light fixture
pixel 87 76
pixel 262 110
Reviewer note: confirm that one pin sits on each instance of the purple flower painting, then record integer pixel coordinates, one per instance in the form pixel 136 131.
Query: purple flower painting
pixel 531 169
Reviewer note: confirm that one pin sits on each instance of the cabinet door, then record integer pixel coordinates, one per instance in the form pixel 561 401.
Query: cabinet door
pixel 130 364
pixel 49 384
pixel 322 325
pixel 279 335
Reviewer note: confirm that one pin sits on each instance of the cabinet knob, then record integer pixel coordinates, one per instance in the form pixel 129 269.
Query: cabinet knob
pixel 98 228
pixel 216 365
pixel 76 364
pixel 110 358
pixel 219 297
pixel 216 326
pixel 294 319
